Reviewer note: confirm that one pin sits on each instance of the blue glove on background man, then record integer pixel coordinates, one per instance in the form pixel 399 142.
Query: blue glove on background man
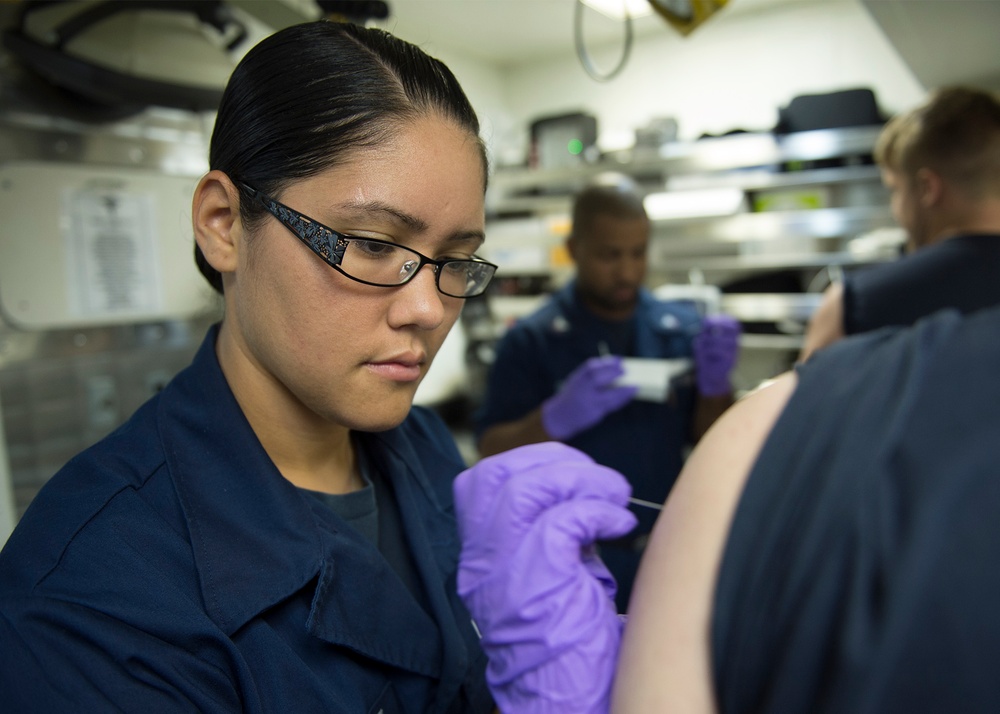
pixel 716 349
pixel 529 575
pixel 586 397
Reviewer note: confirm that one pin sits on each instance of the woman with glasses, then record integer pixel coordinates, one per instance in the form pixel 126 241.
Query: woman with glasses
pixel 274 531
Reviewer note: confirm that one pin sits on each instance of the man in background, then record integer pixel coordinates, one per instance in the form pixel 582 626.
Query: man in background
pixel 941 164
pixel 556 373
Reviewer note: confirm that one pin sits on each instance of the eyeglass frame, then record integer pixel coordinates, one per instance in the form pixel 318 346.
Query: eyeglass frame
pixel 331 245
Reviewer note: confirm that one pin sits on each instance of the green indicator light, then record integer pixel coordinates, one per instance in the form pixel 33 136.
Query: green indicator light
pixel 575 146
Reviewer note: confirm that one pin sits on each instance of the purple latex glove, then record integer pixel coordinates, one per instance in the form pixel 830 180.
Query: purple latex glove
pixel 528 573
pixel 716 348
pixel 586 397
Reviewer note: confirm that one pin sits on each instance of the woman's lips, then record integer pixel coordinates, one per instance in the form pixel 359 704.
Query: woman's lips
pixel 397 369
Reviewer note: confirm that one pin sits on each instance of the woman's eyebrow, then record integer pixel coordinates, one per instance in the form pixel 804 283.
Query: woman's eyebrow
pixel 367 209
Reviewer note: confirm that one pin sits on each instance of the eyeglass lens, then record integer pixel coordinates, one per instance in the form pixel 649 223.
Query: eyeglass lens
pixel 388 264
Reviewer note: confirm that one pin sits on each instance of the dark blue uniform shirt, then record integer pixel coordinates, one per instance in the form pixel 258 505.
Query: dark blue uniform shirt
pixel 172 568
pixel 959 272
pixel 860 573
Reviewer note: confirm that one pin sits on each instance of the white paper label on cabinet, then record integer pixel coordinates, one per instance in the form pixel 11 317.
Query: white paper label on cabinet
pixel 112 257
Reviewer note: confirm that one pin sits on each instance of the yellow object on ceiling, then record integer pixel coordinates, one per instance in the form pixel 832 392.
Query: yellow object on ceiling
pixel 686 15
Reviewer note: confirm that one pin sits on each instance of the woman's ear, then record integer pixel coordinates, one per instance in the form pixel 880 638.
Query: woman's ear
pixel 215 216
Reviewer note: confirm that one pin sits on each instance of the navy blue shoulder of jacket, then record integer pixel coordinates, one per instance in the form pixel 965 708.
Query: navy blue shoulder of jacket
pixel 76 494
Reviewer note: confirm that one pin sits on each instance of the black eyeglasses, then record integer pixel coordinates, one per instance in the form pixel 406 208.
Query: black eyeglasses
pixel 378 262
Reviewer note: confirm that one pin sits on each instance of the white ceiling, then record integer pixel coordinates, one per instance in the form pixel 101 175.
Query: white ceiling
pixel 943 41
pixel 505 32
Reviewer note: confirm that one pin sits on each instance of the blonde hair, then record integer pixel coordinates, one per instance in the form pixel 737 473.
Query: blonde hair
pixel 955 133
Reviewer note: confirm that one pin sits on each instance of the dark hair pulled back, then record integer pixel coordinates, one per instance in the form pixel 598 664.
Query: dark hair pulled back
pixel 305 98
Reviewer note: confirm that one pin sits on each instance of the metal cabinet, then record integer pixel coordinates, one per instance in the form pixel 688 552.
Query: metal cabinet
pixel 100 301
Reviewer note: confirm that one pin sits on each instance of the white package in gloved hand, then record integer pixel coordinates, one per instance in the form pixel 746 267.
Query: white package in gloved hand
pixel 653 376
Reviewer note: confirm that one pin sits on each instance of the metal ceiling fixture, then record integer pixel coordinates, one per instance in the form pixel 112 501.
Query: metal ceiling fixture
pixel 584 55
pixel 130 53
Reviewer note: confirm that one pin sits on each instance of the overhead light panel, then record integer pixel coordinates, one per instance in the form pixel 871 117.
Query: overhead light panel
pixel 616 9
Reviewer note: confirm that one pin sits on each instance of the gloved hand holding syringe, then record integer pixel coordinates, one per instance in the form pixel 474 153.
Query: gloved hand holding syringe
pixel 531 578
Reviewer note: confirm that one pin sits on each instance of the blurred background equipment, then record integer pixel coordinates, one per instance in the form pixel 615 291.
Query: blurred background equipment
pixel 561 141
pixel 356 11
pixel 105 110
pixel 830 110
pixel 130 54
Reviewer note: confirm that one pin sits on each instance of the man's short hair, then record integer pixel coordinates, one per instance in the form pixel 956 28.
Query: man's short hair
pixel 955 133
pixel 611 194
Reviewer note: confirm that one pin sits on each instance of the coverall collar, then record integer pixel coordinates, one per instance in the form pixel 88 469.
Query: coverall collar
pixel 257 540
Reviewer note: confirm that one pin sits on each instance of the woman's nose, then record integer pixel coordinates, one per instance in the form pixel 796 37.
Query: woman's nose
pixel 420 302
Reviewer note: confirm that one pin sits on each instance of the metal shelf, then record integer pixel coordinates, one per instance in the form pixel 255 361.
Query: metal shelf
pixel 845 222
pixel 761 179
pixel 749 150
pixel 732 154
pixel 776 261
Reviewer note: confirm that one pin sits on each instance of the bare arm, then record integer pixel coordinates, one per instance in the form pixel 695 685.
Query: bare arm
pixel 511 434
pixel 706 411
pixel 665 660
pixel 827 324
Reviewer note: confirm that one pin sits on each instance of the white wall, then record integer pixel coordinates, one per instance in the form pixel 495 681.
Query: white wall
pixel 484 84
pixel 735 71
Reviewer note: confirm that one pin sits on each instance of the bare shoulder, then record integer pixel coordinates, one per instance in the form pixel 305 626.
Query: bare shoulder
pixel 665 661
pixel 826 325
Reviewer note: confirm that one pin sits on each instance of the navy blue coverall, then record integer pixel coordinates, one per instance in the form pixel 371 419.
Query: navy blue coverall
pixel 171 567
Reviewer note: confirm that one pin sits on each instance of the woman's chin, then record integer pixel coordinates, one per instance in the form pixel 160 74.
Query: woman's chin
pixel 382 414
